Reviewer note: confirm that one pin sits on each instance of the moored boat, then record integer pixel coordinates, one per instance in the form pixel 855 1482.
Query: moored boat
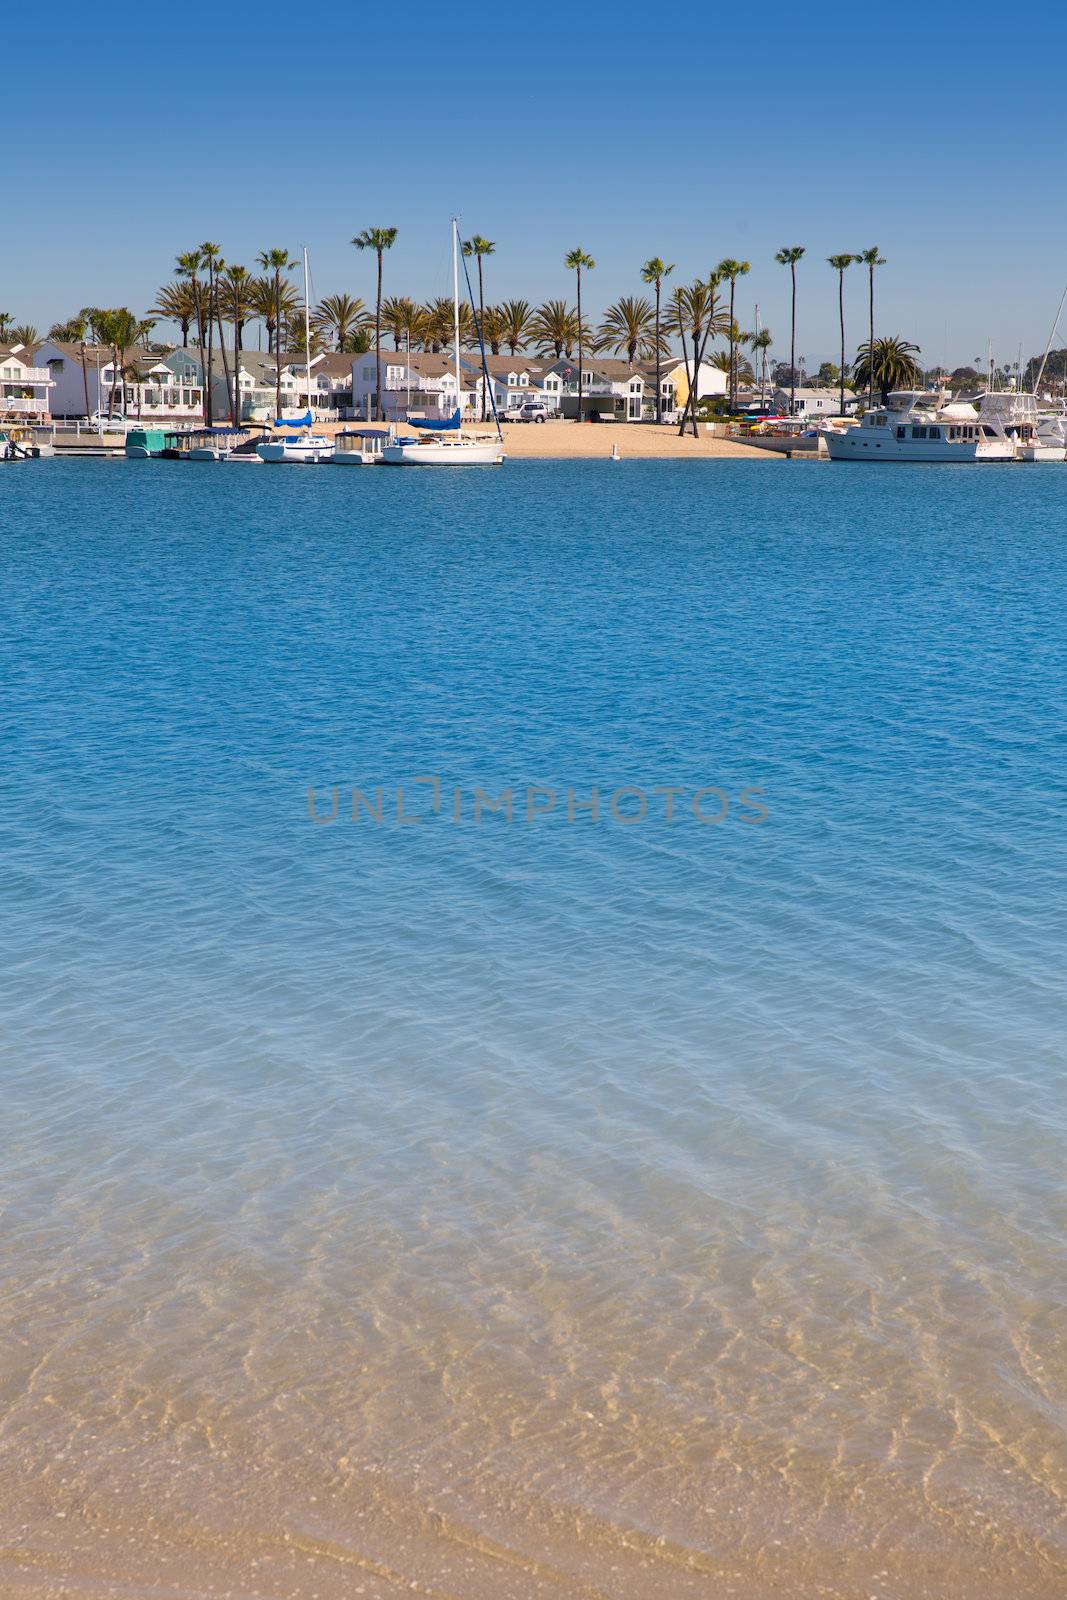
pixel 305 446
pixel 917 425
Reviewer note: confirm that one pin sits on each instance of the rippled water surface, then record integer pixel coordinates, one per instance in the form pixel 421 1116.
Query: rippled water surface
pixel 624 1210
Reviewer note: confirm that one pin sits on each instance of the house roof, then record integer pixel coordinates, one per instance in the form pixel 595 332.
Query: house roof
pixel 73 352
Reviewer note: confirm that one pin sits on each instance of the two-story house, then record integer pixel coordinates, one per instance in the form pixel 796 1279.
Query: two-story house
pixel 512 379
pixel 148 390
pixel 24 385
pixel 417 384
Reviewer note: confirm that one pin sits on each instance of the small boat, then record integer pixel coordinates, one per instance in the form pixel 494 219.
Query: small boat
pixel 142 444
pixel 306 446
pixel 429 446
pixel 366 453
pixel 214 444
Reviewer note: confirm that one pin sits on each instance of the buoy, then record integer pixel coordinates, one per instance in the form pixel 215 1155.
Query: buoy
pixel 615 456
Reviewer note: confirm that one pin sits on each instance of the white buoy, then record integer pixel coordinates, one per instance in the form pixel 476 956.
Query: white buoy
pixel 615 456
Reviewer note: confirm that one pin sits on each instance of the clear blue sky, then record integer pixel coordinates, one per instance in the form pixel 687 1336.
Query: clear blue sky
pixel 691 132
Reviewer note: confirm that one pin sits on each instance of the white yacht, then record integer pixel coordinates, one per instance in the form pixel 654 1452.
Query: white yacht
pixel 918 425
pixel 304 446
pixel 441 444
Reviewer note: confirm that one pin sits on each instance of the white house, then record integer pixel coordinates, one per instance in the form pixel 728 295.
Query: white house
pixel 24 385
pixel 616 390
pixel 149 390
pixel 512 379
pixel 812 402
pixel 421 383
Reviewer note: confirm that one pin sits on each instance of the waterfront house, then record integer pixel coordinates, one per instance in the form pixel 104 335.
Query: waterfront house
pixel 422 383
pixel 24 385
pixel 621 391
pixel 812 403
pixel 149 390
pixel 512 380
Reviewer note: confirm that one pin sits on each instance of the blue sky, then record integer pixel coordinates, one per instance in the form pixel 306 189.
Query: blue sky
pixel 692 132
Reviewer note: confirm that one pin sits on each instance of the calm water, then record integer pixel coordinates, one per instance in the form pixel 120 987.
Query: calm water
pixel 498 1210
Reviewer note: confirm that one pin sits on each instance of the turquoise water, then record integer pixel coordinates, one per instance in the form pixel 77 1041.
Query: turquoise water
pixel 533 1207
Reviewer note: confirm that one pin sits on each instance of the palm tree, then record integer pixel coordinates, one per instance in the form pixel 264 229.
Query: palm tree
pixel 630 325
pixel 516 314
pixel 5 318
pixel 840 265
pixel 379 240
pixel 121 330
pixel 342 316
pixel 237 281
pixel 274 263
pixel 187 268
pixel 871 259
pixel 733 270
pixel 479 247
pixel 554 327
pixel 215 264
pixel 695 311
pixel 887 364
pixel 174 303
pixel 73 331
pixel 575 260
pixel 494 327
pixel 437 323
pixel 788 256
pixel 654 271
pixel 761 342
pixel 25 333
pixel 401 319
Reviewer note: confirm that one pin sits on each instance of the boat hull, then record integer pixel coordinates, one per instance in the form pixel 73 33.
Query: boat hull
pixel 275 451
pixel 353 458
pixel 853 446
pixel 444 453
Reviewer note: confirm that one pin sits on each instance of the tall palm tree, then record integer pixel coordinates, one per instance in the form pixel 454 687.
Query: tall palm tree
pixel 25 333
pixel 187 269
pixel 871 259
pixel 437 323
pixel 274 263
pixel 516 314
pixel 238 299
pixel 841 264
pixel 554 327
pixel 630 325
pixel 5 323
pixel 237 281
pixel 122 331
pixel 400 319
pixel 379 240
pixel 341 316
pixel 887 364
pixel 695 311
pixel 761 342
pixel 215 264
pixel 576 260
pixel 654 271
pixel 733 270
pixel 479 247
pixel 788 256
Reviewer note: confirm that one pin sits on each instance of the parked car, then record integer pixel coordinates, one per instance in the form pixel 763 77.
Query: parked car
pixel 105 424
pixel 531 411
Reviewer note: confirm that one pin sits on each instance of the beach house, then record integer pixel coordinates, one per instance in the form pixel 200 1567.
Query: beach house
pixel 422 383
pixel 512 379
pixel 24 385
pixel 83 377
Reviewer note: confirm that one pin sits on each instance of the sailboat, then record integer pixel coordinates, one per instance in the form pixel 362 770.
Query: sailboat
pixel 441 443
pixel 306 446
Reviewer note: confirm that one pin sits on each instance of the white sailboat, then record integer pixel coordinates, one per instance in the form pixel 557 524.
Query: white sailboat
pixel 307 446
pixel 441 444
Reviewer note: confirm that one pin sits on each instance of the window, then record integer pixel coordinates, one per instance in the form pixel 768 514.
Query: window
pixel 989 432
pixel 918 433
pixel 902 433
pixel 368 374
pixel 935 433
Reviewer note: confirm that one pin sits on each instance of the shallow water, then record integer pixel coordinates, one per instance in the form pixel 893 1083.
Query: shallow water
pixel 536 1208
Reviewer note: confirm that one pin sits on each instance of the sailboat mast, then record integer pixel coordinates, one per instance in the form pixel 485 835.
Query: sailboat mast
pixel 307 329
pixel 455 303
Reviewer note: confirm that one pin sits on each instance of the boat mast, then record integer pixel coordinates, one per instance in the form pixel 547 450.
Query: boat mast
pixel 455 306
pixel 1048 343
pixel 307 332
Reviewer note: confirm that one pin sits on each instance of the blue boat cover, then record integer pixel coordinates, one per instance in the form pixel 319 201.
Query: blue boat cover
pixel 443 425
pixel 294 422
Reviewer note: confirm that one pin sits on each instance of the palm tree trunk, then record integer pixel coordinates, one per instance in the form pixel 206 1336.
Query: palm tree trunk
pixel 225 358
pixel 481 335
pixel 870 363
pixel 195 282
pixel 659 363
pixel 236 358
pixel 85 383
pixel 378 345
pixel 210 343
pixel 841 313
pixel 688 379
pixel 733 352
pixel 579 344
pixel 793 346
pixel 277 342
